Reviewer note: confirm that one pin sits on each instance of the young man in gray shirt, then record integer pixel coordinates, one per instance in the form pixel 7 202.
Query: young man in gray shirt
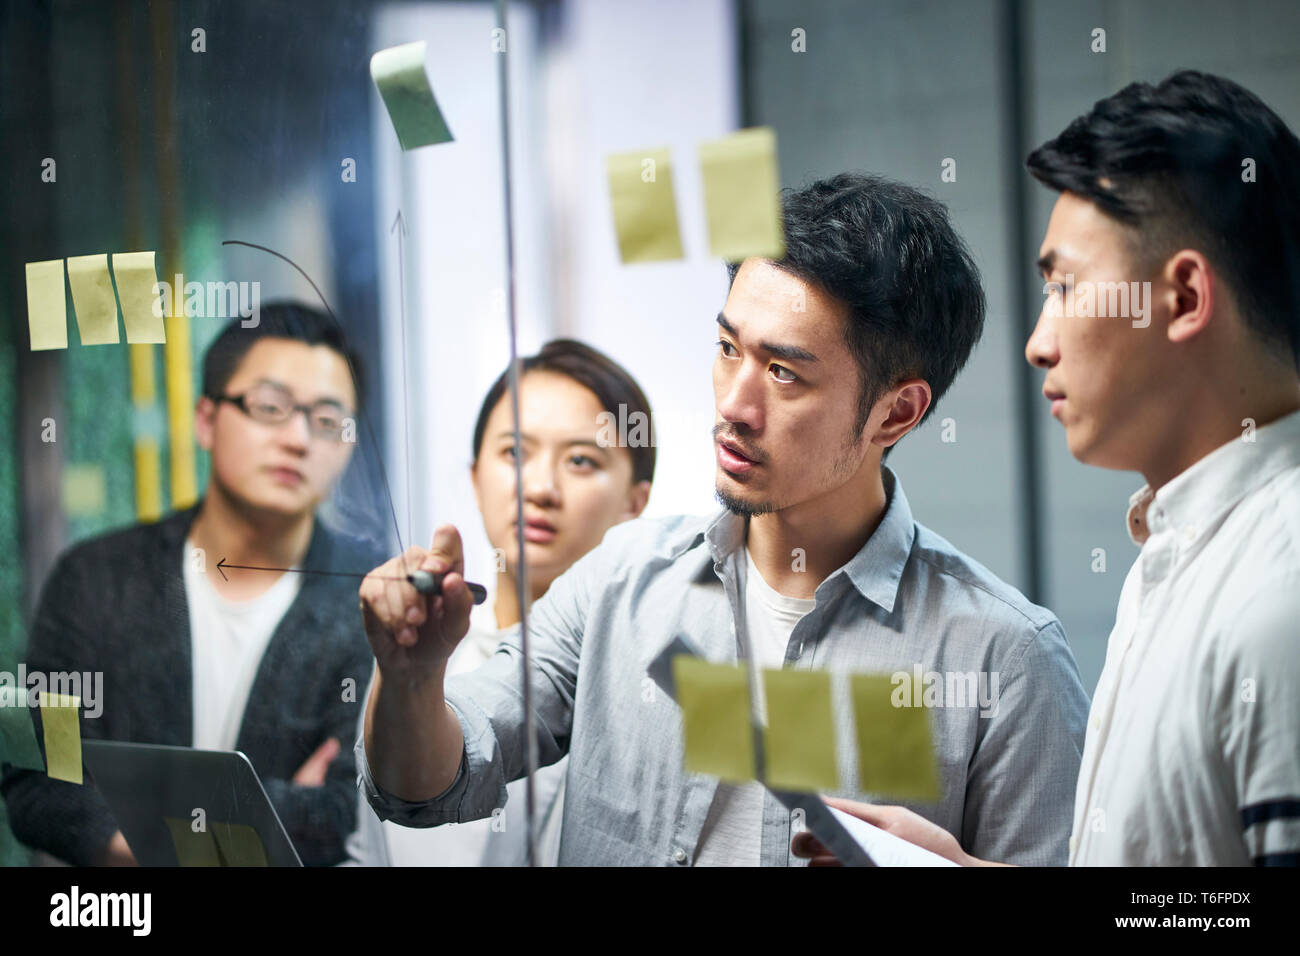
pixel 826 358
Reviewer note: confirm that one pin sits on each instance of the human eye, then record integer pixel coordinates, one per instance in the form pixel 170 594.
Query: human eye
pixel 725 345
pixel 778 370
pixel 328 418
pixel 583 462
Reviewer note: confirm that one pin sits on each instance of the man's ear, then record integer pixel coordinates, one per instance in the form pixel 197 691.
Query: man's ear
pixel 904 406
pixel 205 422
pixel 1189 294
pixel 638 497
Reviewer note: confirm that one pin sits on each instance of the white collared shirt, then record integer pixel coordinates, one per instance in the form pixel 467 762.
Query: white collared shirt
pixel 1192 754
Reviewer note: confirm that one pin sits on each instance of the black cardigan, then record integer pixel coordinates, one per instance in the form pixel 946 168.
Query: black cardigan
pixel 117 604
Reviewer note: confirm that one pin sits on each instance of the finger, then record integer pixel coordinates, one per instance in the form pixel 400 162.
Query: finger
pixel 446 550
pixel 456 604
pixel 806 845
pixel 876 815
pixel 326 752
pixel 825 861
pixel 400 595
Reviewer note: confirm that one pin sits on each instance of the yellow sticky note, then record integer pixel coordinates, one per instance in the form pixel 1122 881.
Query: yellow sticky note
pixel 239 845
pixel 716 718
pixel 135 276
pixel 645 210
pixel 61 721
pixel 895 746
pixel 17 735
pixel 192 849
pixel 742 195
pixel 93 299
pixel 399 74
pixel 84 490
pixel 47 305
pixel 800 739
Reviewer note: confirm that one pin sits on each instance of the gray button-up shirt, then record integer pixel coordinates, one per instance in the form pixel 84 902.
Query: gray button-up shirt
pixel 908 604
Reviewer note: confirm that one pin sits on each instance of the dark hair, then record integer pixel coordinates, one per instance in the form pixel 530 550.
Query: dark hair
pixel 890 253
pixel 595 371
pixel 277 320
pixel 1169 161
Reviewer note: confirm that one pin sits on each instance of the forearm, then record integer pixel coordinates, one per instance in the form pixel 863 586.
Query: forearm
pixel 413 740
pixel 65 820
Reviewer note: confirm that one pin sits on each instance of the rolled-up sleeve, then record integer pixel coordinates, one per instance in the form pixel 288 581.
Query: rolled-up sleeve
pixel 488 702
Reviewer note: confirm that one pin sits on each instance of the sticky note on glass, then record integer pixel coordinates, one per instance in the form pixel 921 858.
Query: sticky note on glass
pixel 800 738
pixel 85 493
pixel 645 208
pixel 17 733
pixel 60 719
pixel 93 299
pixel 135 276
pixel 47 305
pixel 192 849
pixel 716 718
pixel 238 844
pixel 895 746
pixel 404 87
pixel 742 200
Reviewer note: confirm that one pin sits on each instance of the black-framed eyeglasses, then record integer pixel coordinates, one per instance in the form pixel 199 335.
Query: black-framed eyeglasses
pixel 272 405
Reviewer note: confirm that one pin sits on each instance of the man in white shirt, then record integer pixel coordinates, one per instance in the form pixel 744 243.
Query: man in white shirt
pixel 1192 754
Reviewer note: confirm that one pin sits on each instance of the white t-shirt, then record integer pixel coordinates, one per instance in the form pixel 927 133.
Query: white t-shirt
pixel 1191 752
pixel 732 832
pixel 227 641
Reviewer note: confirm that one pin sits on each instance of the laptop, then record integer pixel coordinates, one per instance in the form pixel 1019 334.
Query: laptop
pixel 154 791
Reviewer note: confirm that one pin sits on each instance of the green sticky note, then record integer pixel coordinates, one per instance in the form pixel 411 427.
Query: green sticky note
pixel 47 305
pixel 895 747
pixel 239 845
pixel 17 733
pixel 742 198
pixel 645 209
pixel 192 849
pixel 399 74
pixel 94 299
pixel 716 718
pixel 141 309
pixel 60 717
pixel 800 738
pixel 85 491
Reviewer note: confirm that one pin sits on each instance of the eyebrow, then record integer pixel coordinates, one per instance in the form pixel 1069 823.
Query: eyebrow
pixel 288 391
pixel 791 353
pixel 585 442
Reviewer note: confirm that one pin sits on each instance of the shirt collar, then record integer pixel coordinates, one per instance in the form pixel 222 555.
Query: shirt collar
pixel 1189 502
pixel 876 570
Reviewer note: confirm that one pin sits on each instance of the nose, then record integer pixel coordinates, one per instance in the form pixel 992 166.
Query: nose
pixel 1042 350
pixel 738 394
pixel 295 434
pixel 540 486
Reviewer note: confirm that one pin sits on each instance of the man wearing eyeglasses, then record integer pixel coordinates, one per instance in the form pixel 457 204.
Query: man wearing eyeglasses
pixel 195 652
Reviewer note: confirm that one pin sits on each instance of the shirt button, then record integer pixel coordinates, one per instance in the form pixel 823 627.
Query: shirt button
pixel 679 855
pixel 1096 723
pixel 1074 841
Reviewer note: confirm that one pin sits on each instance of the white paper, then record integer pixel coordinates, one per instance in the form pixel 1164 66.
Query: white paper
pixel 885 848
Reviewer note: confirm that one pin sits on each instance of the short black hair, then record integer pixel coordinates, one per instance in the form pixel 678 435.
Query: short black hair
pixel 1169 161
pixel 889 252
pixel 277 320
pixel 612 385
